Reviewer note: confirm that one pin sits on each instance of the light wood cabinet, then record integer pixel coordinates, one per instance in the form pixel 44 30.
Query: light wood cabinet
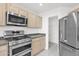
pixel 4 50
pixel 2 14
pixel 34 21
pixel 12 8
pixel 23 12
pixel 38 44
pixel 31 20
pixel 38 21
pixel 43 43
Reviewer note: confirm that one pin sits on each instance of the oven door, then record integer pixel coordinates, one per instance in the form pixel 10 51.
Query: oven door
pixel 20 49
pixel 16 20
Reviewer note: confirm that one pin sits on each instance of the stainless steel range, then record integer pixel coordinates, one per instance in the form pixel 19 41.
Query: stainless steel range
pixel 19 44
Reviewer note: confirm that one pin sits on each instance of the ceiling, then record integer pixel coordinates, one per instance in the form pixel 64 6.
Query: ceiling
pixel 46 6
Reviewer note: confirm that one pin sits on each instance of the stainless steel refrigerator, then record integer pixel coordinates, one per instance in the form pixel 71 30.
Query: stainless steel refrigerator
pixel 69 35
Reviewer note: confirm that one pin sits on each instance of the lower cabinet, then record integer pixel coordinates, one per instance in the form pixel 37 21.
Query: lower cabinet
pixel 38 44
pixel 4 50
pixel 42 43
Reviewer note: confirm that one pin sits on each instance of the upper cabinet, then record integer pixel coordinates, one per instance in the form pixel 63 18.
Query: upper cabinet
pixel 34 21
pixel 38 21
pixel 22 12
pixel 2 14
pixel 12 8
pixel 31 20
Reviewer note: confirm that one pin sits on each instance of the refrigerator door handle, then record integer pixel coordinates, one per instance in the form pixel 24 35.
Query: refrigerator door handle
pixel 61 35
pixel 65 21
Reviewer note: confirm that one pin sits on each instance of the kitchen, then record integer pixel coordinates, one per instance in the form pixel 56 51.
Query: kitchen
pixel 15 41
pixel 26 33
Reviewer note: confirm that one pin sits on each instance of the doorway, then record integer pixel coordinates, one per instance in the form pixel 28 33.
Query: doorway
pixel 53 31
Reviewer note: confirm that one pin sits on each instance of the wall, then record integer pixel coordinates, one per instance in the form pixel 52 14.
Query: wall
pixel 60 12
pixel 26 30
pixel 53 29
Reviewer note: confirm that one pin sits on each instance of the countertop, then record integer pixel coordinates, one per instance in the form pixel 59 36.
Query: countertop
pixel 4 41
pixel 35 35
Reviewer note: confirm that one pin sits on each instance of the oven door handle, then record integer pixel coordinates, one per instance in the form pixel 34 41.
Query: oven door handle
pixel 21 44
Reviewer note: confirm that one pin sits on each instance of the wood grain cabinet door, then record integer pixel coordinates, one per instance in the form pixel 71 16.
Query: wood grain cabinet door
pixel 22 12
pixel 12 8
pixel 4 50
pixel 42 43
pixel 2 14
pixel 38 22
pixel 31 20
pixel 36 46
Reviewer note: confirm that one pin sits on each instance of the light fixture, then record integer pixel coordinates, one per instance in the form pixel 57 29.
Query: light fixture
pixel 41 4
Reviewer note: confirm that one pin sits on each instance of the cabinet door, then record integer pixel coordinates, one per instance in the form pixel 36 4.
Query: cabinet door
pixel 4 50
pixel 31 20
pixel 22 12
pixel 42 43
pixel 2 14
pixel 38 21
pixel 12 8
pixel 36 46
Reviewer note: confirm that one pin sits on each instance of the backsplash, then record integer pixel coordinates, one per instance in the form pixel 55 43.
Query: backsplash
pixel 26 30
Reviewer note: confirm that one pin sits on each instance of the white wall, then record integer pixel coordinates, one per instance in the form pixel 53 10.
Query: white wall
pixel 53 29
pixel 60 12
pixel 26 30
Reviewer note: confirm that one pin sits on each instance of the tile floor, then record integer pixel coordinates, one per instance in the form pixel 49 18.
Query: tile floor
pixel 52 51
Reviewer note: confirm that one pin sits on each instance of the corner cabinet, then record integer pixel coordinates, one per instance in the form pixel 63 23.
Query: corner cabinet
pixel 34 21
pixel 38 44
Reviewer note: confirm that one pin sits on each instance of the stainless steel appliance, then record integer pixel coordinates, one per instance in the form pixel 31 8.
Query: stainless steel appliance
pixel 69 35
pixel 19 44
pixel 15 20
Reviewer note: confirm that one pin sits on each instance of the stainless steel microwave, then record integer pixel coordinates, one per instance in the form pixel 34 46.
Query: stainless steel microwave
pixel 15 20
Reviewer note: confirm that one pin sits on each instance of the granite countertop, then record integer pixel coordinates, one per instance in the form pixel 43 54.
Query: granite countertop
pixel 3 42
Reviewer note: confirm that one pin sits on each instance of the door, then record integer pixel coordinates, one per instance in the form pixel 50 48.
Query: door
pixel 31 20
pixel 61 30
pixel 65 50
pixel 12 8
pixel 53 30
pixel 67 32
pixel 22 12
pixel 38 21
pixel 2 14
pixel 36 46
pixel 42 42
pixel 70 31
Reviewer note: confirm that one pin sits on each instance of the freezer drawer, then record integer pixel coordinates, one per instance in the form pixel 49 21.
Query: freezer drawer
pixel 65 50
